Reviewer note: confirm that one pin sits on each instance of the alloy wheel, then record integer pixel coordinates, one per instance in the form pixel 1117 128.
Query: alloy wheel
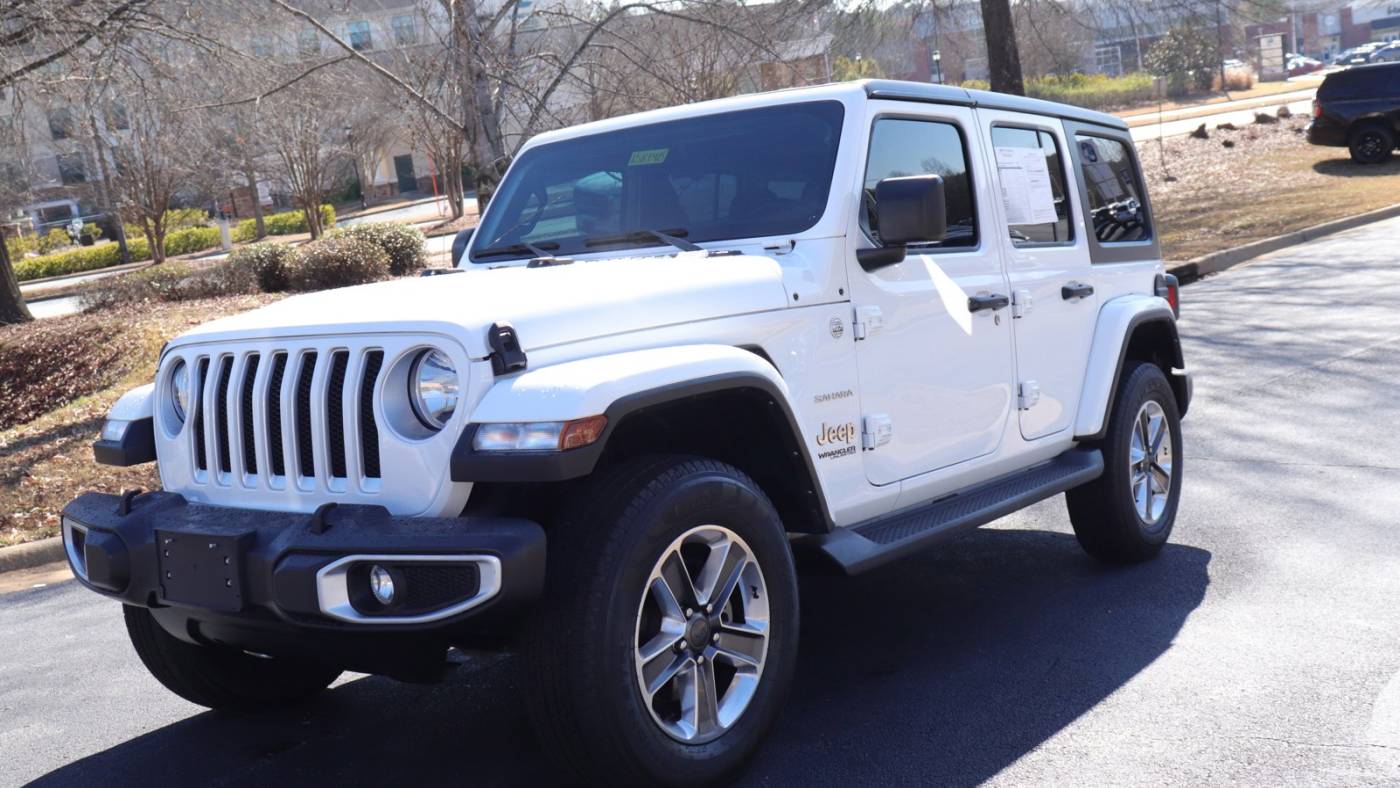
pixel 702 634
pixel 1150 462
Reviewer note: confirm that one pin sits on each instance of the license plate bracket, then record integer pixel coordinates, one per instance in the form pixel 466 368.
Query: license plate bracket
pixel 202 570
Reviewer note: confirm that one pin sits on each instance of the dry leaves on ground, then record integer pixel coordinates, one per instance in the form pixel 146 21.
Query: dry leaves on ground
pixel 71 370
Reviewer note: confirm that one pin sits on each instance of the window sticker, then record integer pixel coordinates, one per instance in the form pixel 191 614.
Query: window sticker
pixel 1025 185
pixel 654 156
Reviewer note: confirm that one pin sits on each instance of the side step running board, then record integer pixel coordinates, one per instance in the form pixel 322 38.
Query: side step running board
pixel 859 548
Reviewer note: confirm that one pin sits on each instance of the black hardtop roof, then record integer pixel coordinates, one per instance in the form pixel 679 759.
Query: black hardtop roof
pixel 950 94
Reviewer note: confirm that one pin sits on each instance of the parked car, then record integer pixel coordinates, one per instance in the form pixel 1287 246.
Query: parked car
pixel 1358 55
pixel 849 320
pixel 1299 64
pixel 1359 108
pixel 1386 54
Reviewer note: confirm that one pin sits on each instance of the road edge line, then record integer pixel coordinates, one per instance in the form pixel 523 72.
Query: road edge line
pixel 1215 262
pixel 31 554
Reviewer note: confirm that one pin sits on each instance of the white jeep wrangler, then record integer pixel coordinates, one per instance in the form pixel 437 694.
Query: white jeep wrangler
pixel 850 320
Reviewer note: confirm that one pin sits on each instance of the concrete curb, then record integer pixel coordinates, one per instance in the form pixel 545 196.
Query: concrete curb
pixel 1215 262
pixel 31 554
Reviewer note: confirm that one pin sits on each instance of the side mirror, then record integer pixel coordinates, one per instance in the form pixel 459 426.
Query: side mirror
pixel 908 209
pixel 459 244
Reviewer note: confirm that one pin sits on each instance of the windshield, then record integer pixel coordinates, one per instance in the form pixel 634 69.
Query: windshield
pixel 745 174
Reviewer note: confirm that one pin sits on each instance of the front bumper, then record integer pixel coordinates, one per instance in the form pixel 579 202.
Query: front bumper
pixel 258 579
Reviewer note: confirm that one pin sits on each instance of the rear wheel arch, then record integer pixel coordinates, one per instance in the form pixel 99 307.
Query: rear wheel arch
pixel 1150 337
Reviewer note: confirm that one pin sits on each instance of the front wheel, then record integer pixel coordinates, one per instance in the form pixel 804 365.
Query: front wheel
pixel 1126 515
pixel 669 634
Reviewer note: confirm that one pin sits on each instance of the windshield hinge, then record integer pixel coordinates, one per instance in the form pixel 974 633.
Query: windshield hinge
pixel 506 353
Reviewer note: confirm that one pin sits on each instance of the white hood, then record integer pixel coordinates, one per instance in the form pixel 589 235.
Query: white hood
pixel 548 305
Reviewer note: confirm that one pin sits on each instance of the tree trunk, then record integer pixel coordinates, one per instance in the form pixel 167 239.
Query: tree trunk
pixel 12 306
pixel 1003 59
pixel 252 179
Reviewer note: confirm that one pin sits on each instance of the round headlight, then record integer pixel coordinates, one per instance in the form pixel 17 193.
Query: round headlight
pixel 433 388
pixel 180 389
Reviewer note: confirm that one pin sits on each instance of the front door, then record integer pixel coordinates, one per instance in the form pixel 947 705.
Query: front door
pixel 403 167
pixel 1047 261
pixel 934 371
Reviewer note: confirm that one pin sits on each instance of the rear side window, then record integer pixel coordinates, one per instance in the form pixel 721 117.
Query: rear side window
pixel 1114 190
pixel 1033 186
pixel 901 147
pixel 1363 82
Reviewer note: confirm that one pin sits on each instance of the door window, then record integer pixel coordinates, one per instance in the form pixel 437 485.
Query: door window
pixel 1114 190
pixel 1033 186
pixel 901 147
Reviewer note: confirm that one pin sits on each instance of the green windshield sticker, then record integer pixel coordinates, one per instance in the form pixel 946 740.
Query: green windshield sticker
pixel 640 157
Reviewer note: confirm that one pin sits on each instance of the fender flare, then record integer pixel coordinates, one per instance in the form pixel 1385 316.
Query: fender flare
pixel 1117 322
pixel 136 442
pixel 615 385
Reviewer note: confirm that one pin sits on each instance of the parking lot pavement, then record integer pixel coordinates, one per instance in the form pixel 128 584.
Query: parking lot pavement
pixel 1261 648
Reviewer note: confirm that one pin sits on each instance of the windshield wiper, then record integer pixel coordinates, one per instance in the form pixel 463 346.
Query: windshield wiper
pixel 673 237
pixel 541 249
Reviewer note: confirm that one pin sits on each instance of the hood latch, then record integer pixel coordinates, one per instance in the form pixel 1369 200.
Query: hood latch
pixel 506 353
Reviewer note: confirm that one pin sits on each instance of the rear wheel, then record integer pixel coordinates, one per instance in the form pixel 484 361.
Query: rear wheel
pixel 669 634
pixel 1371 144
pixel 221 678
pixel 1126 515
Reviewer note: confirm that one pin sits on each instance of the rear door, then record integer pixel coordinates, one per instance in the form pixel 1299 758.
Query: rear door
pixel 1054 305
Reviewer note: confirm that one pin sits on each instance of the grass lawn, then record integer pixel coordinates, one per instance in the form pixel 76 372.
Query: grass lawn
pixel 86 361
pixel 1269 183
pixel 1261 90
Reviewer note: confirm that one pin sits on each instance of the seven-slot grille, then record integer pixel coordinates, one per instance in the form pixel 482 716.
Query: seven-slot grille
pixel 303 417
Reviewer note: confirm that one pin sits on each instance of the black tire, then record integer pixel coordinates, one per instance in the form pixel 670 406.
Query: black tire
pixel 1371 143
pixel 1104 512
pixel 221 678
pixel 582 683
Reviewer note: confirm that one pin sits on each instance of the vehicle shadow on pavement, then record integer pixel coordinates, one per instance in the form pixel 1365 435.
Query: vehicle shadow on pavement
pixel 946 668
pixel 1347 168
pixel 940 670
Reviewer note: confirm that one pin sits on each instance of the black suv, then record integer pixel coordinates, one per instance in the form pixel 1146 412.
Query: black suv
pixel 1359 108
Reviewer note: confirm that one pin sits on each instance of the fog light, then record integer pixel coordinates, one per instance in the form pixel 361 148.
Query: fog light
pixel 381 584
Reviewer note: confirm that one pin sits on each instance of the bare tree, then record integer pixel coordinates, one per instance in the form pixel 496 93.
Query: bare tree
pixel 151 163
pixel 305 126
pixel 14 189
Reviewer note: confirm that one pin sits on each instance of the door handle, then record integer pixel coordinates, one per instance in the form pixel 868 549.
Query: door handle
pixel 1075 290
pixel 993 302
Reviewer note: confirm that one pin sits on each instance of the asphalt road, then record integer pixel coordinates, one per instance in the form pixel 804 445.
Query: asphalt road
pixel 1261 648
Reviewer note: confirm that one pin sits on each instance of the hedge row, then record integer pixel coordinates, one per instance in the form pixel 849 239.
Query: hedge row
pixel 341 260
pixel 1092 91
pixel 285 223
pixel 194 239
pixel 84 258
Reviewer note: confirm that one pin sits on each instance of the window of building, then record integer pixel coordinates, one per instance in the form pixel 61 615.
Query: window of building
pixel 61 123
pixel 1114 190
pixel 405 30
pixel 915 147
pixel 360 36
pixel 1109 60
pixel 1024 187
pixel 262 46
pixel 71 168
pixel 309 42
